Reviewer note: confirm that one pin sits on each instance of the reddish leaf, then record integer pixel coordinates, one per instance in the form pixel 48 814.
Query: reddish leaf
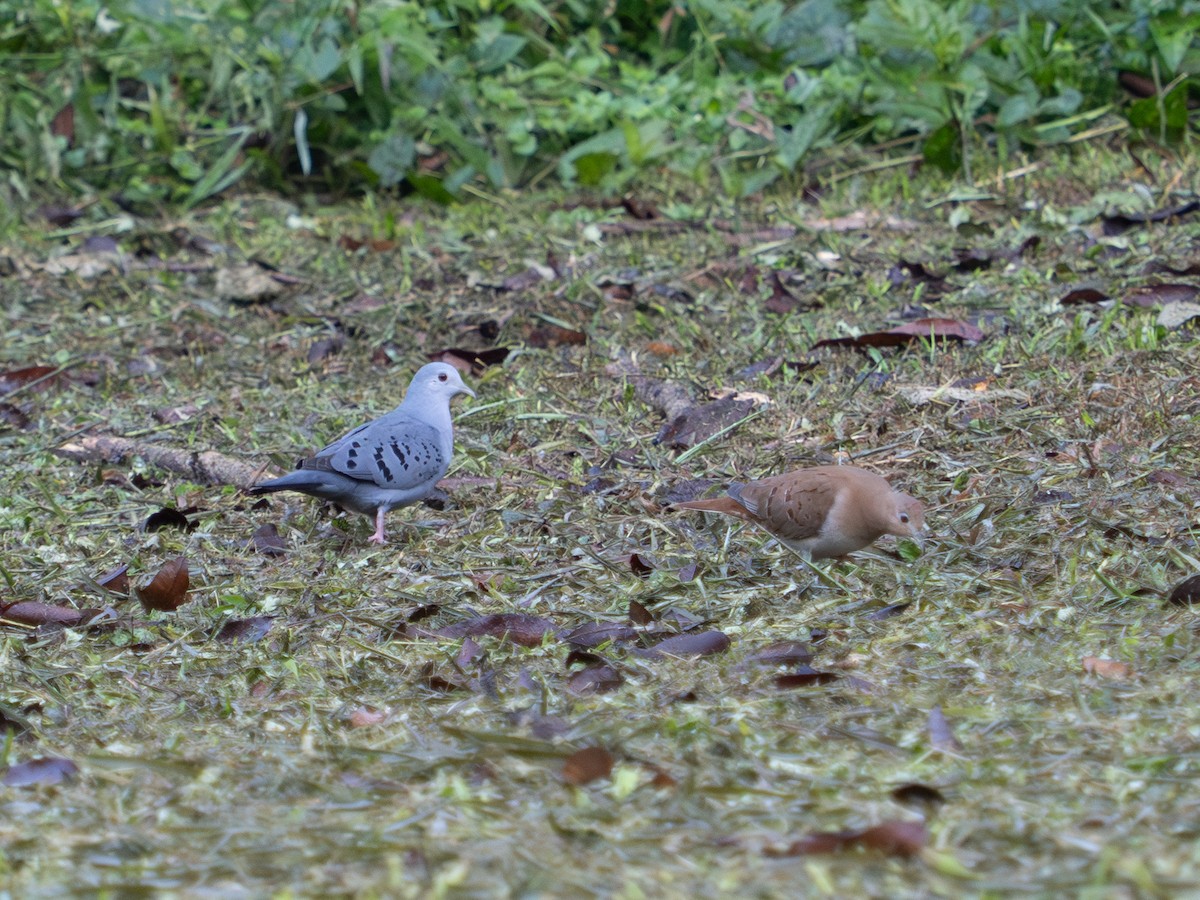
pixel 639 566
pixel 587 765
pixel 554 336
pixel 782 301
pixel 60 216
pixel 41 377
pixel 526 630
pixel 700 643
pixel 1107 668
pixel 661 348
pixel 1083 295
pixel 45 770
pixel 1186 592
pixel 638 614
pixel 246 631
pixel 471 362
pixel 63 124
pixel 890 838
pixel 168 589
pixel 940 329
pixel 115 580
pixel 30 612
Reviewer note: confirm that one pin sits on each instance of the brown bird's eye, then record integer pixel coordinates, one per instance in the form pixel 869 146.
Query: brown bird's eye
pixel 904 518
pixel 441 376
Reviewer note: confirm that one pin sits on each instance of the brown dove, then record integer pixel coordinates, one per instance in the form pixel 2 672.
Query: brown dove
pixel 821 512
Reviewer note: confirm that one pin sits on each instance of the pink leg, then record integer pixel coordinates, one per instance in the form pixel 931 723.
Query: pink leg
pixel 377 537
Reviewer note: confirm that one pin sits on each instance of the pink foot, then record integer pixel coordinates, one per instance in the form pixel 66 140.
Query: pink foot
pixel 377 537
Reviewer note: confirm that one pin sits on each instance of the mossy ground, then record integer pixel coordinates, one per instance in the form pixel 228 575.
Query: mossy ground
pixel 1062 511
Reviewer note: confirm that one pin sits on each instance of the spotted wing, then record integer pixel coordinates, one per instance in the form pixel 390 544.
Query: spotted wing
pixel 396 453
pixel 792 512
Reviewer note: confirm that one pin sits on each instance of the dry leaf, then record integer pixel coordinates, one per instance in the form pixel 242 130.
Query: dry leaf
pixel 587 765
pixel 1107 668
pixel 168 590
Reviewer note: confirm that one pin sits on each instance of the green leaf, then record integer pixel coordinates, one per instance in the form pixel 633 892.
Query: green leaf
pixel 221 175
pixel 943 148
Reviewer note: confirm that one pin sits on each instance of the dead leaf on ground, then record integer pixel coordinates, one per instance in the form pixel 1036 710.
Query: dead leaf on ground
pixel 245 631
pixel 115 580
pixel 526 630
pixel 639 566
pixel 697 424
pixel 890 838
pixel 1161 294
pixel 639 614
pixel 31 612
pixel 932 328
pixel 267 540
pixel 45 770
pixel 594 679
pixel 550 335
pixel 470 362
pixel 697 643
pixel 1112 669
pixel 781 653
pixel 354 244
pixel 167 591
pixel 587 765
pixel 37 378
pixel 593 634
pixel 1082 295
pixel 1118 223
pixel 1186 593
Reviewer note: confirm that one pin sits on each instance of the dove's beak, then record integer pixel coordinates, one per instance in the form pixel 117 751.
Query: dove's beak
pixel 466 390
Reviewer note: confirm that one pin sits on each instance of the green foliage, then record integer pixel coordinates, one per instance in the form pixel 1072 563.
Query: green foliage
pixel 176 101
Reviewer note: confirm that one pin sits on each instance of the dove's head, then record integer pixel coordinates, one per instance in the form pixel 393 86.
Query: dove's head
pixel 437 380
pixel 908 517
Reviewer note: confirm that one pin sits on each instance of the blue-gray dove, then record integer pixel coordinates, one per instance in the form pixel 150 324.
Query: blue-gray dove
pixel 395 460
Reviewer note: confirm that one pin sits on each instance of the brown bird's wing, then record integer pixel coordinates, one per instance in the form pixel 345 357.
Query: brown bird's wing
pixel 792 507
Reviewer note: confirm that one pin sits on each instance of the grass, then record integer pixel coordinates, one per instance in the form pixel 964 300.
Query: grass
pixel 210 766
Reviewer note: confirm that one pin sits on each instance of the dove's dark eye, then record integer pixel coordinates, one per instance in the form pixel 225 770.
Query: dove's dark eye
pixel 441 376
pixel 904 518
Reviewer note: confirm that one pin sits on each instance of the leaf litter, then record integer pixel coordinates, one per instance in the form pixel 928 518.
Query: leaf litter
pixel 454 766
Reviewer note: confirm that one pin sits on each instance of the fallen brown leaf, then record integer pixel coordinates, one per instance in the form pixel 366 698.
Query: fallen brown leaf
pixel 587 765
pixel 167 591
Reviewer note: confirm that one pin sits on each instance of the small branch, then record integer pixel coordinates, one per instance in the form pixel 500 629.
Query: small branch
pixel 206 467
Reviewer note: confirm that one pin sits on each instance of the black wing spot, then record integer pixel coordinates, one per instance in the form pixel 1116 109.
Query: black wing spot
pixel 398 452
pixel 383 468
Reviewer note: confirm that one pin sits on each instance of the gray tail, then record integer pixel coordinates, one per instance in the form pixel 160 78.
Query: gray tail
pixel 294 481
